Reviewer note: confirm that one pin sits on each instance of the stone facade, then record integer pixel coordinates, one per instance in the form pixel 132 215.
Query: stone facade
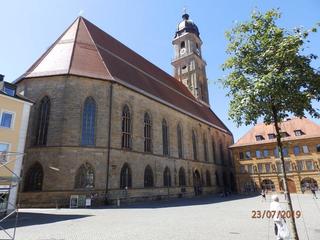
pixel 64 154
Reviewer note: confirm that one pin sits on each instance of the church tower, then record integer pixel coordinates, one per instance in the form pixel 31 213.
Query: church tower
pixel 189 67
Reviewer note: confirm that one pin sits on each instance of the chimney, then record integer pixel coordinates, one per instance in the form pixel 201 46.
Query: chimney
pixel 1 77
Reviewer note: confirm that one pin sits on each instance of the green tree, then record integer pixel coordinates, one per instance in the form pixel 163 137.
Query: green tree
pixel 269 77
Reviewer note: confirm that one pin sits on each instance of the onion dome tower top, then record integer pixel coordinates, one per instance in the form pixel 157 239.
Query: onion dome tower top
pixel 186 25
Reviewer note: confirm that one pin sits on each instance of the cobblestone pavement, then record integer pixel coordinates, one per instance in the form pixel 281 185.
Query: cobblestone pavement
pixel 201 218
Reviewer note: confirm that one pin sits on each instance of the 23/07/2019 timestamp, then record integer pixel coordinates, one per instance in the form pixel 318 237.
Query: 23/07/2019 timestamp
pixel 272 214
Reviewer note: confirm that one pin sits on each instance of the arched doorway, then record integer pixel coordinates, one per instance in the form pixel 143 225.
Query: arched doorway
pixel 291 186
pixel 268 185
pixel 308 183
pixel 197 183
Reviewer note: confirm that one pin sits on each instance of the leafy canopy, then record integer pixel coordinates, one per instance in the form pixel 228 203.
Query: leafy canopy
pixel 268 76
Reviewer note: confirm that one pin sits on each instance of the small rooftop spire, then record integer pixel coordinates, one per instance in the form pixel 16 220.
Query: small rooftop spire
pixel 185 15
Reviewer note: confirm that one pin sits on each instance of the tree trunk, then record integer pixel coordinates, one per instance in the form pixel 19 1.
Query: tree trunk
pixel 293 226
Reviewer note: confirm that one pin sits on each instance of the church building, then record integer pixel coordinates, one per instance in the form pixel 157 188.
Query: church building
pixel 107 124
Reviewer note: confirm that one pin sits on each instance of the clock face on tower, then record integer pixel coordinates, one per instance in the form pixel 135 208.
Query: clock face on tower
pixel 182 51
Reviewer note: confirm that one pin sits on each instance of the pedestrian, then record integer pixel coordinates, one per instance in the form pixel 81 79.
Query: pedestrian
pixel 313 190
pixel 280 225
pixel 263 195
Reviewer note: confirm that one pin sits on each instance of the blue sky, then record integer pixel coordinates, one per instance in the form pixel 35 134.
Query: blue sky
pixel 28 28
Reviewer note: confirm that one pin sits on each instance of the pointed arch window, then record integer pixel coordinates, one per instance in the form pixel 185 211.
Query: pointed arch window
pixel 85 176
pixel 34 178
pixel 165 138
pixel 179 141
pixel 43 121
pixel 88 122
pixel 125 176
pixel 148 177
pixel 147 133
pixel 126 128
pixel 213 151
pixel 182 177
pixel 166 177
pixel 194 145
pixel 217 178
pixel 205 148
pixel 208 178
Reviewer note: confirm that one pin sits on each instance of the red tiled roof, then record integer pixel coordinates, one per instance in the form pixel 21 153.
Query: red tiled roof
pixel 85 50
pixel 309 129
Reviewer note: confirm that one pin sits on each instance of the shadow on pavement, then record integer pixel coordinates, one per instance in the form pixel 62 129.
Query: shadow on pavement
pixel 27 219
pixel 181 202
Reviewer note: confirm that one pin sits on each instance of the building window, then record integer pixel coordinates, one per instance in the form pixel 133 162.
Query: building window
pixel 276 152
pixel 147 133
pixel 126 128
pixel 258 154
pixel 296 150
pixel 298 133
pixel 279 167
pixel 43 121
pixel 34 178
pixel 287 166
pixel 242 169
pixel 247 155
pixel 6 120
pixel 250 169
pixel 183 44
pixel 88 122
pixel 125 177
pixel 260 167
pixel 85 177
pixel 194 145
pixel 213 151
pixel 271 136
pixel 305 149
pixel 241 155
pixel 222 153
pixel 166 177
pixel 318 147
pixel 148 177
pixel 267 167
pixel 217 178
pixel 179 141
pixel 182 177
pixel 266 153
pixel 208 178
pixel 284 134
pixel 9 90
pixel 259 137
pixel 309 165
pixel 205 148
pixel 285 151
pixel 300 165
pixel 4 148
pixel 165 138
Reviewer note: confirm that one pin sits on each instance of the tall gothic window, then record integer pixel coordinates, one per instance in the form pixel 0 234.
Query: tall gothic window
pixel 34 178
pixel 165 138
pixel 194 145
pixel 179 139
pixel 85 176
pixel 88 122
pixel 166 177
pixel 43 121
pixel 222 153
pixel 126 127
pixel 213 151
pixel 208 178
pixel 147 133
pixel 148 177
pixel 125 176
pixel 182 177
pixel 205 148
pixel 217 178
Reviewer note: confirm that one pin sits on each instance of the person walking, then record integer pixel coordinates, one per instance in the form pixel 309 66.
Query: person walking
pixel 280 226
pixel 313 190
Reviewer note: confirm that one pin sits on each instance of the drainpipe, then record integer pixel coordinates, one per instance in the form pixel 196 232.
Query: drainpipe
pixel 109 139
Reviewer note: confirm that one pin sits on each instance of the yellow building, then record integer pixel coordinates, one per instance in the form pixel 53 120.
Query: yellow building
pixel 257 159
pixel 14 116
